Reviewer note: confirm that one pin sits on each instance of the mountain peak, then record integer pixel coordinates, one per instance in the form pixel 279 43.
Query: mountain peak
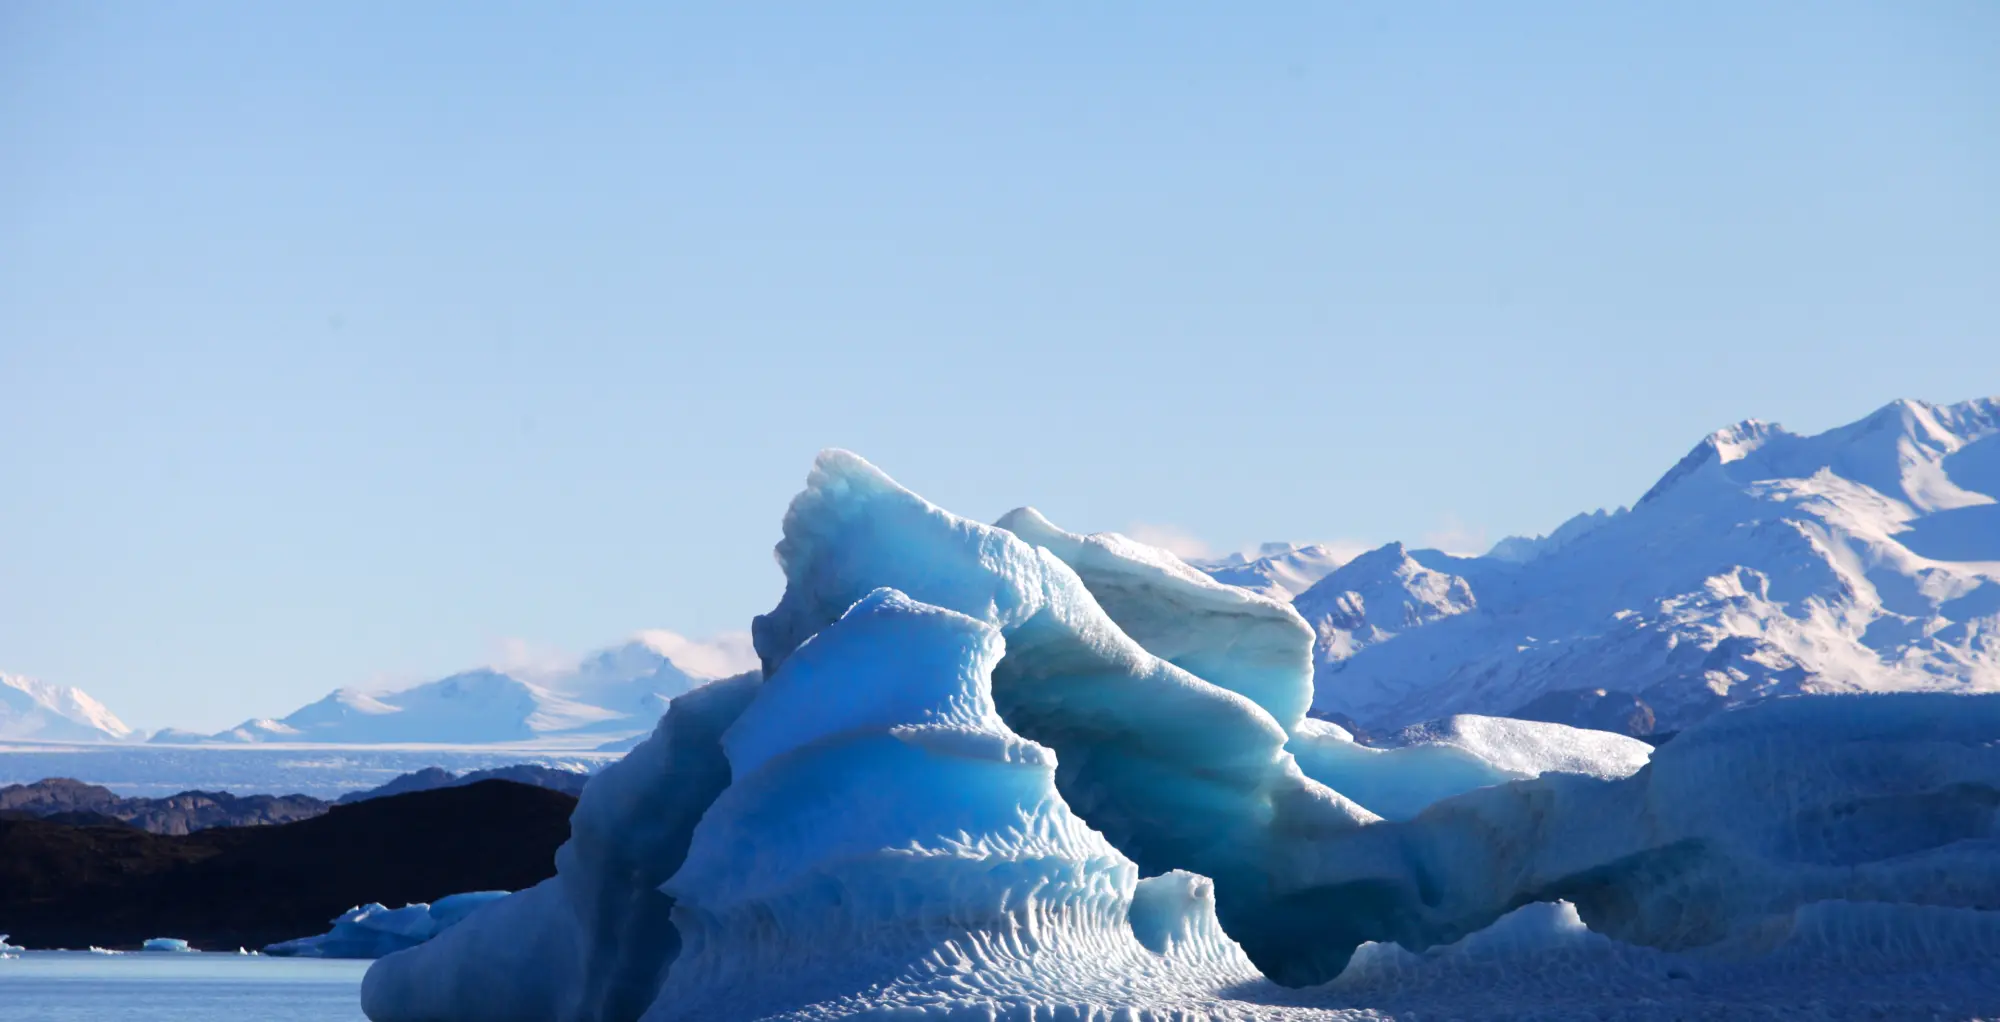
pixel 37 709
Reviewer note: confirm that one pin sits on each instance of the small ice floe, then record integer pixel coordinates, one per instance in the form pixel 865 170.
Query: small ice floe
pixel 372 931
pixel 165 944
pixel 95 950
pixel 4 946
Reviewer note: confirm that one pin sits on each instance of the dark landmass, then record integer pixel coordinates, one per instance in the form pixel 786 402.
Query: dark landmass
pixel 64 800
pixel 1594 708
pixel 569 782
pixel 223 888
pixel 189 811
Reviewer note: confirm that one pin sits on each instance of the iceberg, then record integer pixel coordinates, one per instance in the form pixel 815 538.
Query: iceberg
pixel 4 946
pixel 372 930
pixel 1007 771
pixel 885 830
pixel 165 944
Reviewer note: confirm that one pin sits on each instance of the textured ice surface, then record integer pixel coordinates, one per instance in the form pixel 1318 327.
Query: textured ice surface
pixel 1735 825
pixel 1177 770
pixel 371 931
pixel 886 831
pixel 1453 756
pixel 165 944
pixel 974 740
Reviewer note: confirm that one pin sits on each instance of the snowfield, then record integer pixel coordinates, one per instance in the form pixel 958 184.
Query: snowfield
pixel 1013 772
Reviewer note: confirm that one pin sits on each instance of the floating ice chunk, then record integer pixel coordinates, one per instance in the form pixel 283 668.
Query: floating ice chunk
pixel 4 946
pixel 165 944
pixel 372 931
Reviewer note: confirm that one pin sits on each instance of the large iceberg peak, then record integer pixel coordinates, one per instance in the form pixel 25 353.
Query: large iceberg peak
pixel 884 829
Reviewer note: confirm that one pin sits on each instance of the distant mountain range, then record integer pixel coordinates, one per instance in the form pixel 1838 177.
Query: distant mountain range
pixel 1865 558
pixel 1280 570
pixel 39 710
pixel 70 801
pixel 614 691
pixel 1862 559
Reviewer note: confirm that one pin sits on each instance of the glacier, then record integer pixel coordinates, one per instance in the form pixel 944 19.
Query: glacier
pixel 1008 771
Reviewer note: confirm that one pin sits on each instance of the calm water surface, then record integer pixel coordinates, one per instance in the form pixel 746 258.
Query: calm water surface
pixel 76 986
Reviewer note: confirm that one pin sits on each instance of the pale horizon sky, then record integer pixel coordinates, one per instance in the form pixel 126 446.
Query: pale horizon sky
pixel 354 344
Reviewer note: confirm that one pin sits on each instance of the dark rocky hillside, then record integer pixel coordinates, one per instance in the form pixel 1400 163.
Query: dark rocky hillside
pixel 568 782
pixel 189 811
pixel 63 800
pixel 229 887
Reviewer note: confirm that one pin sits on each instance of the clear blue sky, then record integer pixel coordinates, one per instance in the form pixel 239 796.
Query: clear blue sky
pixel 342 343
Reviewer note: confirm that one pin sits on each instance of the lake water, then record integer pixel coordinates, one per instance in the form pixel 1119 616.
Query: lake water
pixel 77 986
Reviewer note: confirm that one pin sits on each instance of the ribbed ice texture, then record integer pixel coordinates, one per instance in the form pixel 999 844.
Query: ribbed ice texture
pixel 884 827
pixel 1177 772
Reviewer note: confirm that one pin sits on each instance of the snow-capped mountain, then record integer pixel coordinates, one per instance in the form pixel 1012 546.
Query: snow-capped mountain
pixel 1376 596
pixel 1280 570
pixel 639 676
pixel 39 710
pixel 1865 558
pixel 613 691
